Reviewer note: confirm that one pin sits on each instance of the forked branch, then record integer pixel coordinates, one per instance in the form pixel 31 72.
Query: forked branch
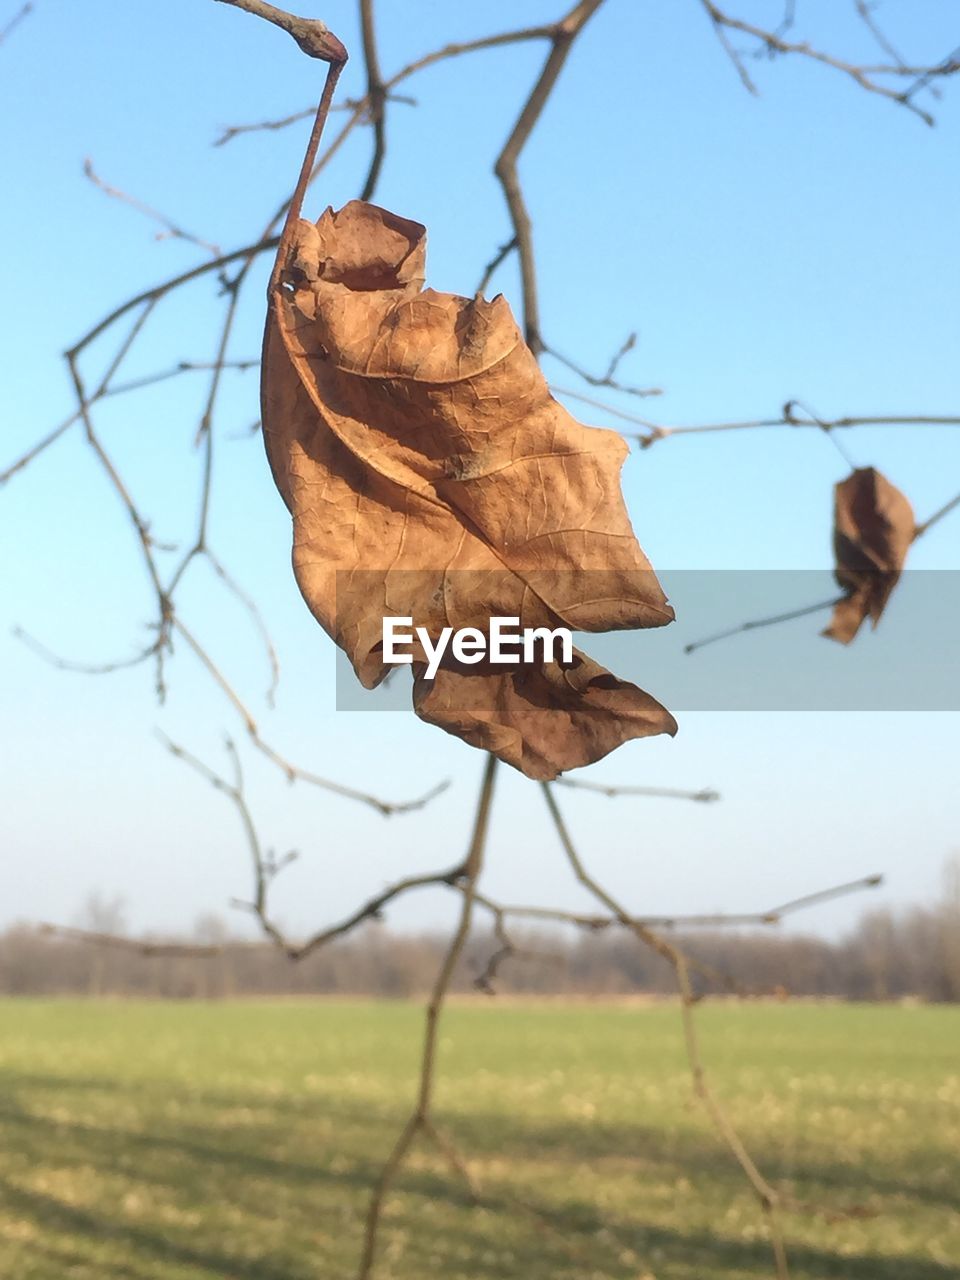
pixel 766 1193
pixel 421 1118
pixel 562 37
pixel 871 77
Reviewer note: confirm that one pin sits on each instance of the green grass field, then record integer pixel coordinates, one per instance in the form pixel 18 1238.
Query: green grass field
pixel 238 1140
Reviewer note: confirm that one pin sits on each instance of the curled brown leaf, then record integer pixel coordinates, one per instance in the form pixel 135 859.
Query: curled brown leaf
pixel 430 474
pixel 874 526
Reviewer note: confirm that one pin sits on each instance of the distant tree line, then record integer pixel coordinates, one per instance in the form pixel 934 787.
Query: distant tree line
pixel 887 955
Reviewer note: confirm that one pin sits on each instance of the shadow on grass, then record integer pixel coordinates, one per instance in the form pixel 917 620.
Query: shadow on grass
pixel 282 1165
pixel 51 1214
pixel 544 1256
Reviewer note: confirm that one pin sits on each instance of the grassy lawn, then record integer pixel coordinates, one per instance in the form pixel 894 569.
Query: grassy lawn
pixel 239 1140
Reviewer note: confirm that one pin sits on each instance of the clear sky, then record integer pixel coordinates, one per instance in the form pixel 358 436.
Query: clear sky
pixel 798 244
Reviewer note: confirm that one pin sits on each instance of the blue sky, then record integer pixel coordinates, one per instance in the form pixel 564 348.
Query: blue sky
pixel 799 244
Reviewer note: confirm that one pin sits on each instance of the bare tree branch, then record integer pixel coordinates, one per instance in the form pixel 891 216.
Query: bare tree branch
pixel 229 132
pixel 756 623
pixel 769 1198
pixel 864 10
pixel 376 98
pixel 867 76
pixel 360 107
pixel 562 38
pixel 296 772
pixel 313 37
pixel 495 263
pixel 679 920
pixel 139 946
pixel 705 795
pixel 506 948
pixel 937 516
pixel 421 1118
pixel 15 21
pixel 654 431
pixel 266 866
pixel 607 379
pixel 171 230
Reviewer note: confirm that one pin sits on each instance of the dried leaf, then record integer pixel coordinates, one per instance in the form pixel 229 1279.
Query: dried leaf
pixel 430 474
pixel 873 528
pixel 542 719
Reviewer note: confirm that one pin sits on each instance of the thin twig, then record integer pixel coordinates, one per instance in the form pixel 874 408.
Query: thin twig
pixel 824 895
pixel 83 668
pixel 949 65
pixel 176 371
pixel 769 1198
pixel 103 389
pixel 233 131
pixel 678 920
pixel 374 907
pixel 937 516
pixel 376 98
pixel 262 245
pixel 421 1118
pixel 658 431
pixel 143 947
pixel 256 616
pixel 705 795
pixel 171 230
pixel 607 379
pixel 354 105
pixel 494 265
pixel 456 50
pixel 313 37
pixel 335 66
pixel 266 867
pixel 41 445
pixel 506 948
pixel 562 38
pixel 361 106
pixel 866 76
pixel 295 772
pixel 756 623
pixel 139 524
pixel 865 13
pixel 654 431
pixel 105 392
pixel 15 21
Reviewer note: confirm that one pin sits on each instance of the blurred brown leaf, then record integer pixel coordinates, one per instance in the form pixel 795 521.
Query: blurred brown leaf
pixel 430 474
pixel 873 528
